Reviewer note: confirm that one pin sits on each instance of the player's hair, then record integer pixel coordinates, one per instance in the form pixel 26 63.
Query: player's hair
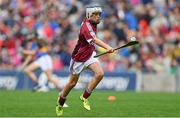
pixel 41 42
pixel 90 9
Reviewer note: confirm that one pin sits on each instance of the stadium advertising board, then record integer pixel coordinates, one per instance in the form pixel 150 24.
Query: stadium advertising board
pixel 119 81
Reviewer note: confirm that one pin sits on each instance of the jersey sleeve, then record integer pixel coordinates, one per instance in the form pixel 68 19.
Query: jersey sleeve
pixel 88 32
pixel 34 46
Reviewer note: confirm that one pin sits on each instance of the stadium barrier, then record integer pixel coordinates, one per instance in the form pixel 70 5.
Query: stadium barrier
pixel 159 82
pixel 119 81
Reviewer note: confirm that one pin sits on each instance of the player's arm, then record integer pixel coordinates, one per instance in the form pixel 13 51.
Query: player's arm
pixel 29 52
pixel 28 58
pixel 90 35
pixel 102 44
pixel 26 62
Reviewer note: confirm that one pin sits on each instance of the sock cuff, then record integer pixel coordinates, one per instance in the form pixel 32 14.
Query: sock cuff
pixel 62 97
pixel 88 91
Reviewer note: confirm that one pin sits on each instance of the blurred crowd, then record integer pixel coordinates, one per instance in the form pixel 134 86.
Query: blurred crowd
pixel 155 23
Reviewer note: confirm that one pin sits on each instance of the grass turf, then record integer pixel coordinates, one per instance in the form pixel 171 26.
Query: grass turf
pixel 127 104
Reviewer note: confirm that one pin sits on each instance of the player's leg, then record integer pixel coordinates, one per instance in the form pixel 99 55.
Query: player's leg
pixel 29 70
pixel 75 69
pixel 62 98
pixel 51 79
pixel 71 84
pixel 46 66
pixel 98 75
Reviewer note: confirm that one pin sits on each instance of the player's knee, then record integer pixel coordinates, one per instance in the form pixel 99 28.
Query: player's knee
pixel 100 74
pixel 72 84
pixel 26 70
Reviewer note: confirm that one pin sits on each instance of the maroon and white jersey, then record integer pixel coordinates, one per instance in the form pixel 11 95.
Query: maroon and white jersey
pixel 84 47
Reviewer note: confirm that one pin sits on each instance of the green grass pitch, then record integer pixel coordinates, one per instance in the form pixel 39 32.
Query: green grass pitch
pixel 127 104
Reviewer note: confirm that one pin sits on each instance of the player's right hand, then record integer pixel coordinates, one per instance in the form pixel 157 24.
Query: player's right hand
pixel 110 49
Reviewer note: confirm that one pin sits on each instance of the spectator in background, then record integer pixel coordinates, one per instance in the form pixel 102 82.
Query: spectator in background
pixel 155 23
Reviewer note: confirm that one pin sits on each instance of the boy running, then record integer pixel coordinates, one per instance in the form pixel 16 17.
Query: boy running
pixel 83 58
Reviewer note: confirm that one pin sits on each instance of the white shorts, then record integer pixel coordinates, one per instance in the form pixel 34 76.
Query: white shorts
pixel 78 67
pixel 45 62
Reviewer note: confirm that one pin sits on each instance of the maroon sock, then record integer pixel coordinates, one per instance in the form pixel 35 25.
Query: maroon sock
pixel 86 93
pixel 61 100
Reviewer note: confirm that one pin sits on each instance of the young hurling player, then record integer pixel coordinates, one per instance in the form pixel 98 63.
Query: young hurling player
pixel 43 60
pixel 83 58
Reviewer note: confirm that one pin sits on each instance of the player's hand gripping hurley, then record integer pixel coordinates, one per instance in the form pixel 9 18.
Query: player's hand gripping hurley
pixel 132 42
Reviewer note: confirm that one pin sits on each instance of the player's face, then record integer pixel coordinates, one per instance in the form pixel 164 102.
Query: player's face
pixel 96 17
